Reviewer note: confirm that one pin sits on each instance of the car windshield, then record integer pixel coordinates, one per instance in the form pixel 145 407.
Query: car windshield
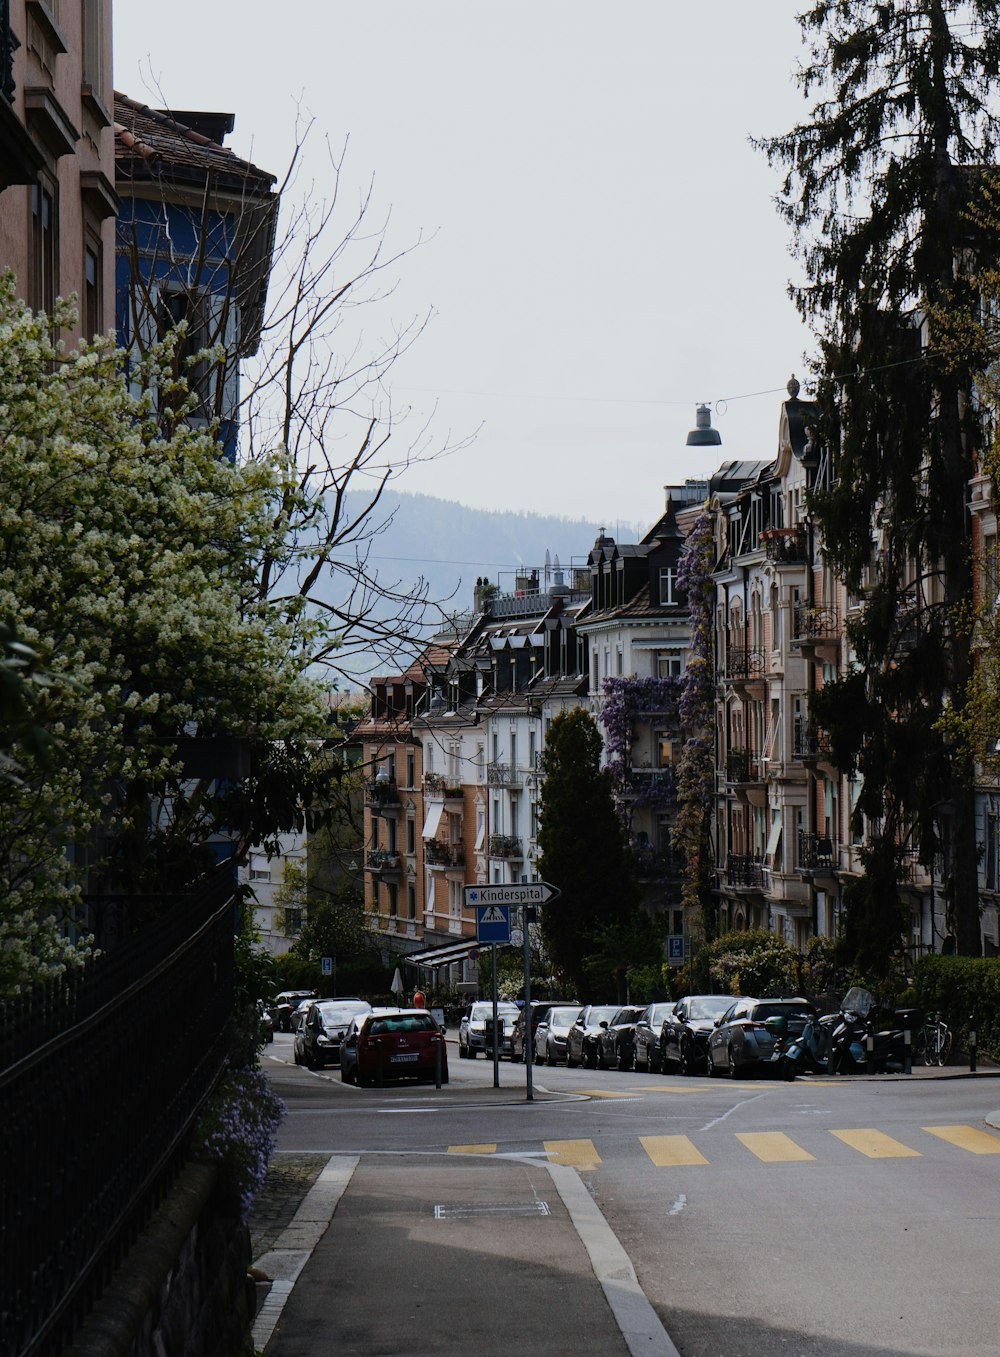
pixel 504 1010
pixel 562 1017
pixel 764 1011
pixel 627 1015
pixel 405 1022
pixel 342 1013
pixel 598 1015
pixel 658 1012
pixel 709 1007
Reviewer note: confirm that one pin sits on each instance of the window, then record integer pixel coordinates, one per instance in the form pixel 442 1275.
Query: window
pixel 293 922
pixel 93 284
pixel 411 902
pixel 410 770
pixel 181 306
pixel 393 891
pixel 93 45
pixel 668 664
pixel 991 577
pixel 44 284
pixel 666 586
pixel 664 749
pixel 620 662
pixel 411 836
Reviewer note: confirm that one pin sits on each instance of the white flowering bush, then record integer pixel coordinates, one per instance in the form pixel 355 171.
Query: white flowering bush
pixel 237 1131
pixel 131 561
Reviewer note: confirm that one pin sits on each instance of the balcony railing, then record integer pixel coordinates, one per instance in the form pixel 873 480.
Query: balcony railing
pixel 502 775
pixel 744 664
pixel 439 854
pixel 744 871
pixel 379 794
pixel 383 860
pixel 817 852
pixel 505 846
pixel 742 766
pixel 812 623
pixel 785 546
pixel 650 864
pixel 436 784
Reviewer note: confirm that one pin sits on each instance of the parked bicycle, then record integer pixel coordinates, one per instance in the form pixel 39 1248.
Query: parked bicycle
pixel 933 1041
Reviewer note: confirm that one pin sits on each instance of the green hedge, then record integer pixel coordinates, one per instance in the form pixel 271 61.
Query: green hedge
pixel 957 987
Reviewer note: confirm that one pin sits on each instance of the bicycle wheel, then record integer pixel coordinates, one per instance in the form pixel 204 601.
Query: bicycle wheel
pixel 943 1044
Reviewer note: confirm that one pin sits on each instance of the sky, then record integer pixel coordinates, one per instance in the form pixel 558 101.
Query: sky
pixel 596 243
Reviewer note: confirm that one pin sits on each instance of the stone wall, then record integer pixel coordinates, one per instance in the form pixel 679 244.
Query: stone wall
pixel 183 1290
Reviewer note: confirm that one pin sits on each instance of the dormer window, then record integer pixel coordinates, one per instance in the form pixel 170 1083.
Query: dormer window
pixel 667 586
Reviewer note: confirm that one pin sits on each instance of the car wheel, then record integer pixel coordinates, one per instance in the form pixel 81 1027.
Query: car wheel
pixel 515 1059
pixel 471 1053
pixel 625 1057
pixel 363 1080
pixel 296 1057
pixel 686 1061
pixel 709 1063
pixel 550 1058
pixel 731 1069
pixel 655 1060
pixel 309 1062
pixel 589 1057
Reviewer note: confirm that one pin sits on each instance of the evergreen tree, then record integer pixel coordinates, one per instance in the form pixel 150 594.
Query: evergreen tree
pixel 876 183
pixel 583 851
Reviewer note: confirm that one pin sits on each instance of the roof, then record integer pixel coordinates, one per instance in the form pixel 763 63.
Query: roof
pixel 151 142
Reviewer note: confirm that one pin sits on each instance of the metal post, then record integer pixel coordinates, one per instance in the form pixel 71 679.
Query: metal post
pixel 529 1049
pixel 496 1035
pixel 907 1051
pixel 972 1043
pixel 334 960
pixel 870 1051
pixel 437 1062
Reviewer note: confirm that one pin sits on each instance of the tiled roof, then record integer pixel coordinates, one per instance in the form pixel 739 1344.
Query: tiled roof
pixel 640 605
pixel 148 141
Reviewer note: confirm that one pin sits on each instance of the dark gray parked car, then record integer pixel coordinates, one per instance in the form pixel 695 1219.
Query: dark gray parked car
pixel 685 1032
pixel 581 1045
pixel 647 1035
pixel 742 1042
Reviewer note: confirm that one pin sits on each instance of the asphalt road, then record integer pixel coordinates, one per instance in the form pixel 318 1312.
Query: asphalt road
pixel 820 1217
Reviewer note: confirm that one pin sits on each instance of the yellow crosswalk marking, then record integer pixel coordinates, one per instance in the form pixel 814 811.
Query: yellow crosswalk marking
pixel 967 1138
pixel 667 1088
pixel 472 1149
pixel 671 1151
pixel 774 1147
pixel 600 1093
pixel 876 1144
pixel 581 1154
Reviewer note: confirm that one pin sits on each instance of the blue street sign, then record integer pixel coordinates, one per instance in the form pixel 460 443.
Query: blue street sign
pixel 326 965
pixel 675 949
pixel 493 923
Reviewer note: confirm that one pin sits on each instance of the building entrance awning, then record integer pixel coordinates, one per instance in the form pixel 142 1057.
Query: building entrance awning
pixel 442 956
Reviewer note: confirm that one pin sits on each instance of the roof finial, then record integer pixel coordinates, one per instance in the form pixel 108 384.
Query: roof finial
pixel 793 388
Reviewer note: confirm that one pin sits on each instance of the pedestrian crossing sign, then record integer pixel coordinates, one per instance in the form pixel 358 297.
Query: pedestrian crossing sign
pixel 493 923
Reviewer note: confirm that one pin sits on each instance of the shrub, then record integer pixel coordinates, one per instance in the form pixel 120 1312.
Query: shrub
pixel 237 1131
pixel 959 988
pixel 754 962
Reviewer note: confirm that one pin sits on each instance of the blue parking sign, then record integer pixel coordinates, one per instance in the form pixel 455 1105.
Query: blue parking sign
pixel 675 949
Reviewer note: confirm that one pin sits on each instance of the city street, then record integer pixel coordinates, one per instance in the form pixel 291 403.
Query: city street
pixel 823 1216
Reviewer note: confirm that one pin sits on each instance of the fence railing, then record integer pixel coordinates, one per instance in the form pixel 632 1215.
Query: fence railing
pixel 102 1075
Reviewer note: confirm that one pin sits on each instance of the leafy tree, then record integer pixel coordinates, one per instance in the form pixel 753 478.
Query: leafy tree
pixel 696 767
pixel 583 850
pixel 128 560
pixel 753 962
pixel 875 183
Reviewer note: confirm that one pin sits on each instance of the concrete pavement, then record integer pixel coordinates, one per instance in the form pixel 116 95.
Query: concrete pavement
pixel 391 1253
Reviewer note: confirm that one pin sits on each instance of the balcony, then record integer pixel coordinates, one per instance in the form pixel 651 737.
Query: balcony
pixel 653 866
pixel 381 796
pixel 382 860
pixel 817 854
pixel 745 667
pixel 786 546
pixel 506 846
pixel 744 872
pixel 437 785
pixel 743 767
pixel 502 775
pixel 440 854
pixel 814 626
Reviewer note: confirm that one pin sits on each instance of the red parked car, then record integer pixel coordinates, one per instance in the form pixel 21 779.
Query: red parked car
pixel 390 1044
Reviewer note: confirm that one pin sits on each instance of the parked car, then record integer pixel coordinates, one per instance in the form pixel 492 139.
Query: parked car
pixel 581 1045
pixel 519 1046
pixel 741 1041
pixel 552 1033
pixel 616 1044
pixel 685 1032
pixel 322 1029
pixel 647 1035
pixel 472 1030
pixel 283 1005
pixel 393 1043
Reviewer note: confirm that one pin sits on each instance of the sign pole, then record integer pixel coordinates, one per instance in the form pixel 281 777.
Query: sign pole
pixel 496 1034
pixel 529 1045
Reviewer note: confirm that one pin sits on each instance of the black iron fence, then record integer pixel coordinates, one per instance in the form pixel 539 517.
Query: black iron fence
pixel 102 1074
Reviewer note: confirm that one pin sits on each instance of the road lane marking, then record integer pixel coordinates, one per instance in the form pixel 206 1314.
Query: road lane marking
pixel 666 1088
pixel 774 1147
pixel 966 1138
pixel 876 1144
pixel 472 1149
pixel 579 1154
pixel 671 1151
pixel 602 1093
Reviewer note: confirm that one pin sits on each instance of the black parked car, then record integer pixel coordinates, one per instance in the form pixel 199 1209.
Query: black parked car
pixel 581 1044
pixel 321 1031
pixel 616 1044
pixel 647 1035
pixel 285 1004
pixel 685 1032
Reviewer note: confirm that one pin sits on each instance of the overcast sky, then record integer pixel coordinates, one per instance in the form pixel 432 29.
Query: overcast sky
pixel 602 250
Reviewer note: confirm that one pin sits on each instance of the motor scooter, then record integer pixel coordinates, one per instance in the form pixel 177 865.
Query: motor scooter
pixel 848 1032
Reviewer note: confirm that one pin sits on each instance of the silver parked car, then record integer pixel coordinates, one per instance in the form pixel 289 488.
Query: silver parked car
pixel 473 1029
pixel 742 1040
pixel 552 1035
